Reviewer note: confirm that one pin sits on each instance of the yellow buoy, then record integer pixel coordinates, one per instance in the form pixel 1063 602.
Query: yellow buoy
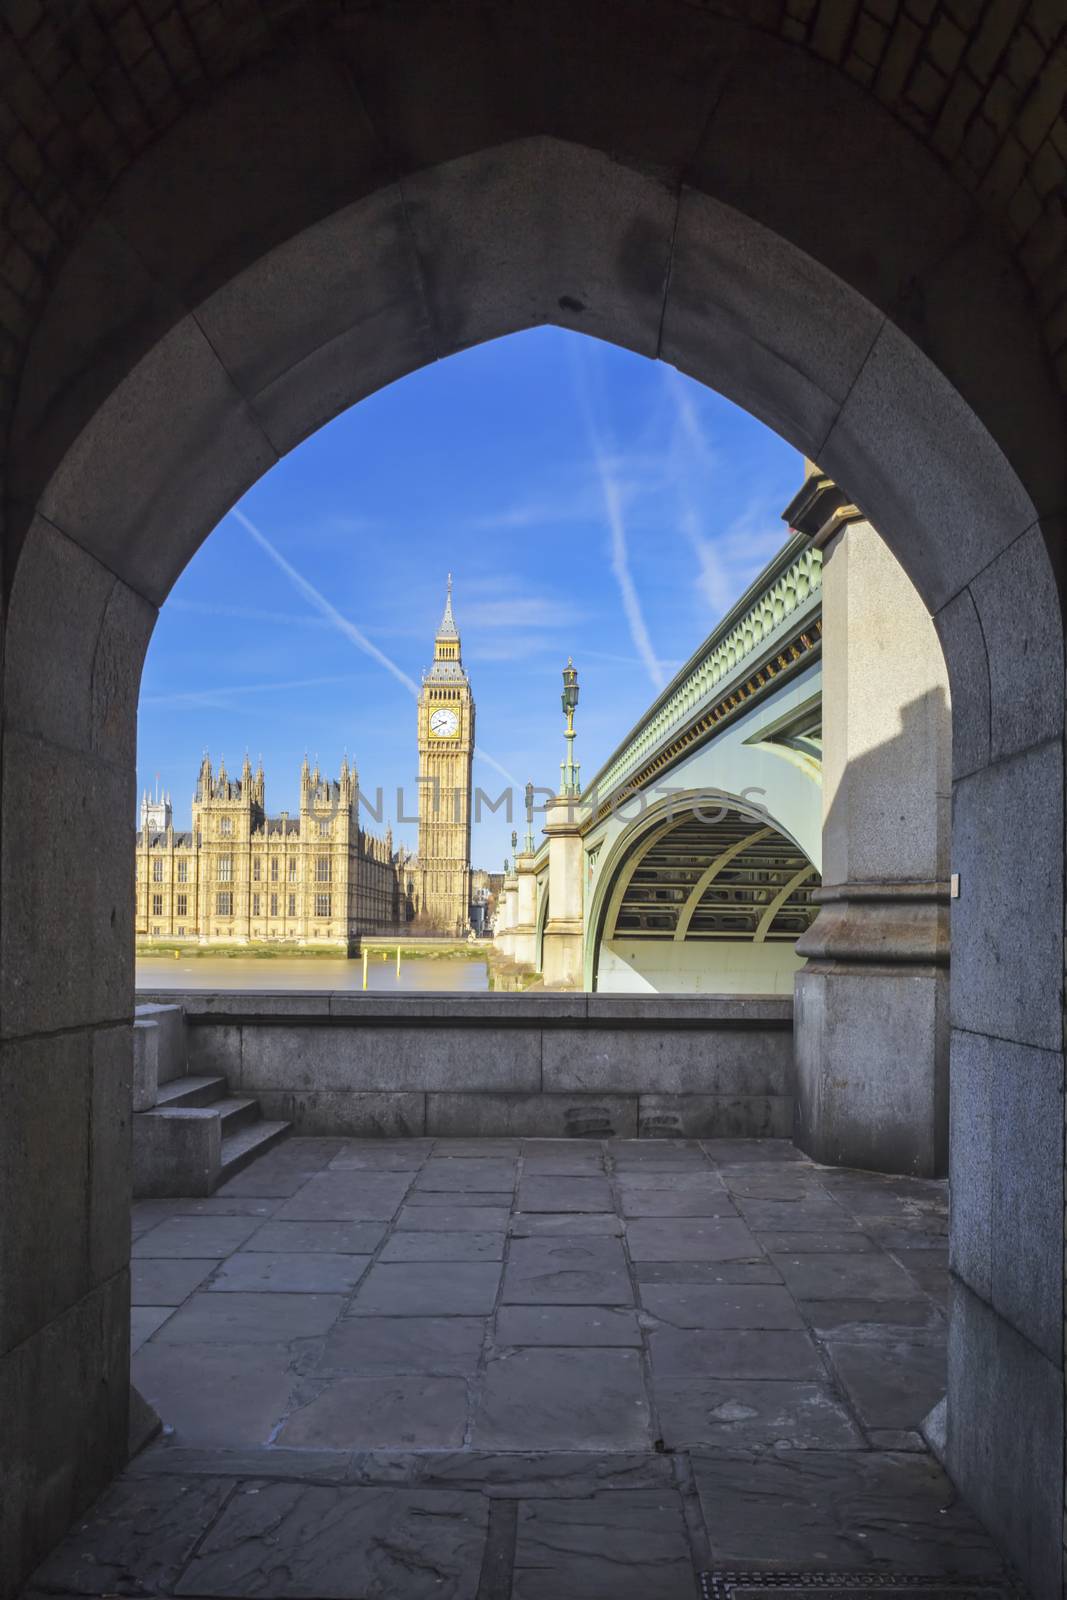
pixel 365 954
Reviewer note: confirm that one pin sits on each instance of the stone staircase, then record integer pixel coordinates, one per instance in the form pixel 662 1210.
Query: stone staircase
pixel 189 1133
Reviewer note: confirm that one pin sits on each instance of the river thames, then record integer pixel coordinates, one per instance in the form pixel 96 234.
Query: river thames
pixel 419 973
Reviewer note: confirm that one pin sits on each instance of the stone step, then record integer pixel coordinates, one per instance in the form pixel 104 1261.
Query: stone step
pixel 190 1091
pixel 235 1113
pixel 239 1148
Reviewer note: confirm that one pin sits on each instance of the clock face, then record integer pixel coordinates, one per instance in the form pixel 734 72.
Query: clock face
pixel 444 724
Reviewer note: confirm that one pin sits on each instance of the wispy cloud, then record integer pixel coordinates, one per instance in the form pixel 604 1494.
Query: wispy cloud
pixel 211 608
pixel 611 490
pixel 225 694
pixel 348 629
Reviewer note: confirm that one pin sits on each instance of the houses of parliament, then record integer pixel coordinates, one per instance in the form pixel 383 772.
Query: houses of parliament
pixel 242 876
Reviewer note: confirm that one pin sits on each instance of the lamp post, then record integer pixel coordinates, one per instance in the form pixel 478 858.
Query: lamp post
pixel 569 784
pixel 528 843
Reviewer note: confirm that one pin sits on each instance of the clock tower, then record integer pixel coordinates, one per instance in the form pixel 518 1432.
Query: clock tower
pixel 446 747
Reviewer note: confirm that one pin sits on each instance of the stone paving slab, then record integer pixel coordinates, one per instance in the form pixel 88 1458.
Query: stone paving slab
pixel 144 1322
pixel 725 1413
pixel 240 1318
pixel 333 1238
pixel 562 1271
pixel 167 1281
pixel 426 1246
pixel 443 1345
pixel 806 1508
pixel 289 1273
pixel 293 1540
pixel 496 1352
pixel 143 1526
pixel 412 1411
pixel 442 1288
pixel 697 1305
pixel 563 1325
pixel 631 1546
pixel 691 1239
pixel 562 1399
pixel 196 1237
pixel 226 1394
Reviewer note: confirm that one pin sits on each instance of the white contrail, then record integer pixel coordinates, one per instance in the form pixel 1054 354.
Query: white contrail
pixel 353 634
pixel 620 556
pixel 712 579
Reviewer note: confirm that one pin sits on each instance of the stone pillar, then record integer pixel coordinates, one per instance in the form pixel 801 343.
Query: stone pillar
pixel 505 909
pixel 871 1013
pixel 524 929
pixel 564 929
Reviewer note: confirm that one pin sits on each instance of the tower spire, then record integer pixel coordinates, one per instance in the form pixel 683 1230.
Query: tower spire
pixel 448 629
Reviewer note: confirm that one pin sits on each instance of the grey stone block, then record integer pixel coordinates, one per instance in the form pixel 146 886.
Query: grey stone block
pixel 177 405
pixel 561 1193
pixel 567 1325
pixel 1007 925
pixel 890 1385
pixel 589 1270
pixel 1019 612
pixel 971 1158
pixel 484 279
pixel 346 1196
pixel 769 1353
pixel 250 1318
pixel 713 1116
pixel 44 1150
pixel 882 440
pixel 145 1085
pixel 258 1271
pixel 789 354
pixel 698 1305
pixel 1004 1446
pixel 691 1239
pixel 1028 1198
pixel 323 1112
pixel 46 869
pixel 560 1116
pixel 195 1238
pixel 64 1396
pixel 413 1288
pixel 173 1051
pixel 110 1154
pixel 726 1061
pixel 176 1151
pixel 392 1059
pixel 822 1276
pixel 967 661
pixel 446 1345
pixel 166 1281
pixel 338 1238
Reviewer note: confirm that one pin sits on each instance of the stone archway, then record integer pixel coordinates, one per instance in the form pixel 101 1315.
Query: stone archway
pixel 330 217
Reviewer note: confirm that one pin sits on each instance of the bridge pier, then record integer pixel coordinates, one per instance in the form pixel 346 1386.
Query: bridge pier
pixel 871 1013
pixel 564 930
pixel 524 927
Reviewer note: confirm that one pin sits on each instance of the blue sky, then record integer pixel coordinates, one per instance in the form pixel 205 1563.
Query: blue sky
pixel 589 503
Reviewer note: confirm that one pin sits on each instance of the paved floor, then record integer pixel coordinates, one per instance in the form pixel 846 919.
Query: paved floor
pixel 534 1369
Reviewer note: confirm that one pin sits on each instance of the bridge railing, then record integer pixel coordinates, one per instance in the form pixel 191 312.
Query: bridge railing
pixel 785 596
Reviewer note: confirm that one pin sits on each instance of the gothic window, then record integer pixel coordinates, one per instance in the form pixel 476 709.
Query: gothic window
pixel 255 905
pixel 292 905
pixel 292 869
pixel 183 904
pixel 157 905
pixel 274 905
pixel 322 869
pixel 255 869
pixel 274 869
pixel 324 830
pixel 224 905
pixel 157 870
pixel 226 827
pixel 225 869
pixel 322 905
pixel 183 871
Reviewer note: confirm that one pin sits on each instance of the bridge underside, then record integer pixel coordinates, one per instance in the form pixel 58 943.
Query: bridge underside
pixel 712 902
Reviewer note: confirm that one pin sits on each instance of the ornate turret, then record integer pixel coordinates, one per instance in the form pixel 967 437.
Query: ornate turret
pixel 447 661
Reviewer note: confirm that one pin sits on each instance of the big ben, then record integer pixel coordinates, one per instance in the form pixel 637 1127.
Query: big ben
pixel 446 747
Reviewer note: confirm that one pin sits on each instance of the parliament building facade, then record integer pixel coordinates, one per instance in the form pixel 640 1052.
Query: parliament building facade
pixel 240 876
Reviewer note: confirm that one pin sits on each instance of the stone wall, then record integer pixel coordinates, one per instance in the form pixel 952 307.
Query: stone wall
pixel 553 1065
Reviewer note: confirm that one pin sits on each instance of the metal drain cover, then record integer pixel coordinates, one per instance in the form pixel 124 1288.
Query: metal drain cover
pixel 725 1585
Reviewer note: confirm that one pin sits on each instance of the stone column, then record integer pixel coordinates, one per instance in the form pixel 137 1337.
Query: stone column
pixel 564 929
pixel 871 1013
pixel 524 929
pixel 505 908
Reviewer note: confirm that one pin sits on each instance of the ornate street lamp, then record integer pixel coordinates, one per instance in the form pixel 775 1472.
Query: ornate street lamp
pixel 529 842
pixel 568 769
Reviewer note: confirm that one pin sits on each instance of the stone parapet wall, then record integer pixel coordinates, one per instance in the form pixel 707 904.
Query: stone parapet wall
pixel 568 1065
